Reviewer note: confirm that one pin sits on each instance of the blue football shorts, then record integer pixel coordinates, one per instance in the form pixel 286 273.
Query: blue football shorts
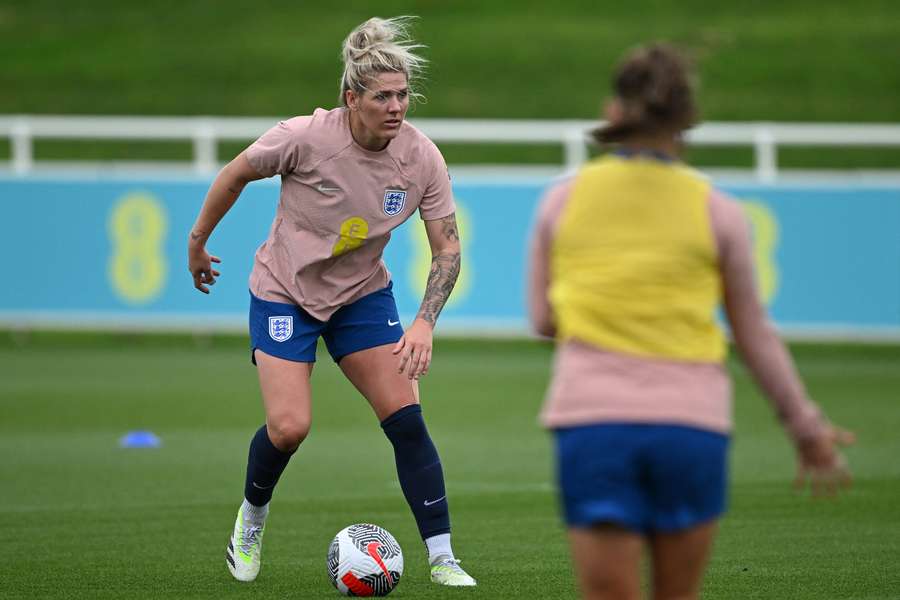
pixel 287 331
pixel 643 477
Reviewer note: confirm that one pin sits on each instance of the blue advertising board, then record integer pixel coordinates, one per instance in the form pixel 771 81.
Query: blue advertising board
pixel 112 252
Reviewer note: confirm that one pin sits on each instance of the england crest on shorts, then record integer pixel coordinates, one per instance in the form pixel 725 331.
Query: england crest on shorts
pixel 394 201
pixel 281 328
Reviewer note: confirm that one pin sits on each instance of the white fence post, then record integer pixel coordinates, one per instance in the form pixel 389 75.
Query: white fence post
pixel 574 148
pixel 204 148
pixel 765 151
pixel 22 151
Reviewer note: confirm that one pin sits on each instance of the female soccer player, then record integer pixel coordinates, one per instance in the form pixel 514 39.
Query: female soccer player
pixel 348 177
pixel 630 259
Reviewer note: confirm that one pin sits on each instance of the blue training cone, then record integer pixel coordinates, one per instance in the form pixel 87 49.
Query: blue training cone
pixel 139 439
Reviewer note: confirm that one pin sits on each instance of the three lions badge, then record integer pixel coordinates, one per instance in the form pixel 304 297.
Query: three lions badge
pixel 394 201
pixel 281 328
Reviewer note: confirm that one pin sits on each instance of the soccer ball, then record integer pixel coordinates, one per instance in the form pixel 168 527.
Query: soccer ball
pixel 364 560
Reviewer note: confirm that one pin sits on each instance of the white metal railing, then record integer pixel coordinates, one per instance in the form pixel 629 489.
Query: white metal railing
pixel 206 132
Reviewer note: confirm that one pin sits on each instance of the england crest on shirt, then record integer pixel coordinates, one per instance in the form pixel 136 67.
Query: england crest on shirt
pixel 394 201
pixel 281 328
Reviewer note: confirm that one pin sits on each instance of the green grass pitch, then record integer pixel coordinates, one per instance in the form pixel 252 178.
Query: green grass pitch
pixel 82 518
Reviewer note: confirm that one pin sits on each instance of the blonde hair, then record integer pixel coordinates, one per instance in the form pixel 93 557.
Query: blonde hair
pixel 380 46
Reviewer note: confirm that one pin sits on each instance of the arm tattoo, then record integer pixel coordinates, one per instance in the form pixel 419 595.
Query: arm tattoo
pixel 444 271
pixel 197 235
pixel 448 228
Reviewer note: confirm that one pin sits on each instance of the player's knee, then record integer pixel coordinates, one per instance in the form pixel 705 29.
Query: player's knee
pixel 666 596
pixel 607 584
pixel 608 594
pixel 682 593
pixel 288 432
pixel 675 587
pixel 406 425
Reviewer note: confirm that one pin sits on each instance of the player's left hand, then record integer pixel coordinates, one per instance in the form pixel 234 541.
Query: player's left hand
pixel 414 349
pixel 821 464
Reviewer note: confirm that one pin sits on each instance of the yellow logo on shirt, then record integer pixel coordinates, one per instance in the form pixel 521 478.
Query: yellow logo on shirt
pixel 353 233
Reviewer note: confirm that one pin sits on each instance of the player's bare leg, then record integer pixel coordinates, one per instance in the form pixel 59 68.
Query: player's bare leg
pixel 374 373
pixel 607 562
pixel 287 400
pixel 679 560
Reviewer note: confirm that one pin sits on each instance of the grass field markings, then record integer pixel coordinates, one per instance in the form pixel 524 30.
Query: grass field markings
pixel 370 493
pixel 820 367
pixel 500 488
pixel 456 486
pixel 117 507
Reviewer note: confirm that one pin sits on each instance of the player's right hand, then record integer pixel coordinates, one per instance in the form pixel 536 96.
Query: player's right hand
pixel 414 349
pixel 200 266
pixel 821 464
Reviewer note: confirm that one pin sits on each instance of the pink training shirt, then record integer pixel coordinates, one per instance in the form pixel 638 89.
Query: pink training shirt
pixel 593 385
pixel 339 203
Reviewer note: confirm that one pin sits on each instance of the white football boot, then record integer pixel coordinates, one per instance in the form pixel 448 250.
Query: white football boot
pixel 244 549
pixel 448 572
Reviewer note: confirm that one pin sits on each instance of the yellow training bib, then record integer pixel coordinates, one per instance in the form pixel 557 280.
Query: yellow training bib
pixel 634 263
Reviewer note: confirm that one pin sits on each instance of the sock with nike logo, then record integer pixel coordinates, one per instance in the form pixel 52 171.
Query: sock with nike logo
pixel 265 464
pixel 419 470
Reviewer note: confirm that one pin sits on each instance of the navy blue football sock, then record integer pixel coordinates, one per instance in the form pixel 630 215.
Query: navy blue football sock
pixel 419 469
pixel 265 464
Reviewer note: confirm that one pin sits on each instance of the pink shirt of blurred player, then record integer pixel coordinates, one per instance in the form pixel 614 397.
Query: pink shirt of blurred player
pixel 593 385
pixel 339 203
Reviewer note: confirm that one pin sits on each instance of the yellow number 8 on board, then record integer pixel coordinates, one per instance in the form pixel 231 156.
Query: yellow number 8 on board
pixel 420 265
pixel 137 228
pixel 765 242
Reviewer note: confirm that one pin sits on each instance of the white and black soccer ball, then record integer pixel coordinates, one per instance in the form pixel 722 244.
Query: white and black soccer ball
pixel 364 560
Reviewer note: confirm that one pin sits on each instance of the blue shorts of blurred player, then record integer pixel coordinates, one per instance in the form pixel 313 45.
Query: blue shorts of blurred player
pixel 643 477
pixel 287 331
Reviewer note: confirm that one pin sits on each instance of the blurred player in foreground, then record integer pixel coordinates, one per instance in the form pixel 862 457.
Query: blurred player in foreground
pixel 348 177
pixel 630 259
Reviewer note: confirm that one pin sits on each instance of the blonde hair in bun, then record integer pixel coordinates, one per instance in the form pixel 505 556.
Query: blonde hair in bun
pixel 380 46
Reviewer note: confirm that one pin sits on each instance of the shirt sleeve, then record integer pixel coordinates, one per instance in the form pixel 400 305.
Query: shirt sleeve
pixel 437 201
pixel 759 344
pixel 277 151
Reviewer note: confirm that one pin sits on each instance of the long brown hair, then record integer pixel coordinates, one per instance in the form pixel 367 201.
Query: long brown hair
pixel 654 86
